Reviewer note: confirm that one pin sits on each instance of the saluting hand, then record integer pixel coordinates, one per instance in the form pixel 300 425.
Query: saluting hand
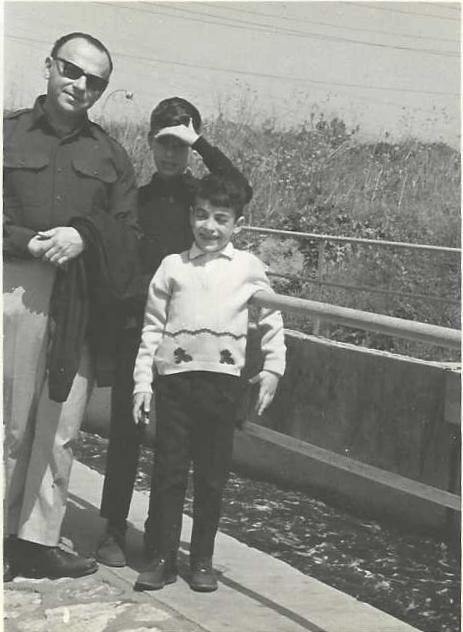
pixel 187 135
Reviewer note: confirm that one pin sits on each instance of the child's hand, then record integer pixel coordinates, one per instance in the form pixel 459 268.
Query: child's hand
pixel 268 383
pixel 187 135
pixel 141 408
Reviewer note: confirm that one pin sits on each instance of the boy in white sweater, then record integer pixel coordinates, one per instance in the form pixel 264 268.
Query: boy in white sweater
pixel 194 336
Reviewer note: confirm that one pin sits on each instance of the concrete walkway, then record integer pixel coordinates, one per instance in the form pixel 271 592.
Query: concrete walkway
pixel 257 593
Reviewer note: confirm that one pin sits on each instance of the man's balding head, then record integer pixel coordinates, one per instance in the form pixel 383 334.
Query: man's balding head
pixel 85 36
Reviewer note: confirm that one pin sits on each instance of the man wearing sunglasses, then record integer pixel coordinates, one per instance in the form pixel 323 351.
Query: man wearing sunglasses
pixel 58 166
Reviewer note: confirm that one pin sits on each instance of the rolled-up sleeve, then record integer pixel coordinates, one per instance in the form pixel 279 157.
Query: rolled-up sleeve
pixel 15 236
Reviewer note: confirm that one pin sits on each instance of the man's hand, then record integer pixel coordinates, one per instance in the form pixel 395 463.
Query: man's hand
pixel 187 135
pixel 38 246
pixel 268 383
pixel 64 244
pixel 141 408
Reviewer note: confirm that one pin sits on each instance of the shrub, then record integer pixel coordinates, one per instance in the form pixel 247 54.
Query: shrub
pixel 319 177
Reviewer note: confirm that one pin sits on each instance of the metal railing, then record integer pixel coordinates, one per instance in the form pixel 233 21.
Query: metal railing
pixel 358 319
pixel 353 240
pixel 399 327
pixel 323 239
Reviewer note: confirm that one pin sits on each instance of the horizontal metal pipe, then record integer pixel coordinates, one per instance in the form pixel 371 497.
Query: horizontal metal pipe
pixel 379 323
pixel 353 240
pixel 367 288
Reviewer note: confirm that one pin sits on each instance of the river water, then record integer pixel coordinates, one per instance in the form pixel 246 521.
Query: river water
pixel 412 577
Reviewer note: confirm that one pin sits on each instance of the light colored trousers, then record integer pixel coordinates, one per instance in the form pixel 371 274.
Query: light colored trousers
pixel 39 433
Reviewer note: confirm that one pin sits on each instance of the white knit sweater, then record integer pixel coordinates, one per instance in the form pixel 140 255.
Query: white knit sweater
pixel 196 316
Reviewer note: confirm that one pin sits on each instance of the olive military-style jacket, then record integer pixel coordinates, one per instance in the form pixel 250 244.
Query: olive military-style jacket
pixel 84 179
pixel 48 179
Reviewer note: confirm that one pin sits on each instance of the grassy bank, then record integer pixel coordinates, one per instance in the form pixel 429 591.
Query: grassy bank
pixel 320 178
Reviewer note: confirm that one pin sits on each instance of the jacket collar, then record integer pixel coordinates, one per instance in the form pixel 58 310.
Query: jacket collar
pixel 169 186
pixel 228 252
pixel 39 118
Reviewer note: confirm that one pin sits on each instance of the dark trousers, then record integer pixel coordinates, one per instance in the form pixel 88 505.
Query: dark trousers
pixel 124 436
pixel 195 419
pixel 195 422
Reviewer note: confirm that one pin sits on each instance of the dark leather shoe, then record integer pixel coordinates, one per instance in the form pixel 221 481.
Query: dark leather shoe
pixel 54 562
pixel 8 569
pixel 203 578
pixel 159 572
pixel 11 558
pixel 111 549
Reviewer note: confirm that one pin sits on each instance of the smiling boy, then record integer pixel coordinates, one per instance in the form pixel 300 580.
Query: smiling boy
pixel 195 332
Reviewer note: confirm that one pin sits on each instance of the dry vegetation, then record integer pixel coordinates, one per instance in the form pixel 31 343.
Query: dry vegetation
pixel 321 178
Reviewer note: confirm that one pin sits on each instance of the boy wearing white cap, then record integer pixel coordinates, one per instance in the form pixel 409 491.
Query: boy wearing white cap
pixel 163 213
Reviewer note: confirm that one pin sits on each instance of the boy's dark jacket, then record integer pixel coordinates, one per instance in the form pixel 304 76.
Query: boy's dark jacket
pixel 163 214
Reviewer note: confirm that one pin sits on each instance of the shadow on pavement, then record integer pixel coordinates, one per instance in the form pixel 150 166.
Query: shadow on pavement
pixel 84 527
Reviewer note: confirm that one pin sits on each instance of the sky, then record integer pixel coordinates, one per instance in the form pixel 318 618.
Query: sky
pixel 392 68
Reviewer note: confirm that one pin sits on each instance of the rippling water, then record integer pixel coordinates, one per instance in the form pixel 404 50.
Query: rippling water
pixel 410 576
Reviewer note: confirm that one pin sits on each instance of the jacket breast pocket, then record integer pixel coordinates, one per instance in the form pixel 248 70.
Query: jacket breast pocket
pixel 93 182
pixel 24 176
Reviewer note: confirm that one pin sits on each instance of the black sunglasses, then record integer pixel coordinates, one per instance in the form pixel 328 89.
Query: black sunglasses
pixel 71 71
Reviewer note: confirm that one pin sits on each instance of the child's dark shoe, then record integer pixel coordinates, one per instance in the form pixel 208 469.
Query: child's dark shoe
pixel 203 578
pixel 159 572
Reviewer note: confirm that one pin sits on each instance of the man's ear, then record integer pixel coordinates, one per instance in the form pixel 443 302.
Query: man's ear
pixel 238 225
pixel 47 67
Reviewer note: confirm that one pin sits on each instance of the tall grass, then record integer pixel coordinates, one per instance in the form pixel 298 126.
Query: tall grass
pixel 319 177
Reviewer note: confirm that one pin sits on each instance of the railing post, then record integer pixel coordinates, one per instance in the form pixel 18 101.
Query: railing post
pixel 319 326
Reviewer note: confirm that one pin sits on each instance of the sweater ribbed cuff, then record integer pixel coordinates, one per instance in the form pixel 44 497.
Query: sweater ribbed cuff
pixel 274 366
pixel 142 388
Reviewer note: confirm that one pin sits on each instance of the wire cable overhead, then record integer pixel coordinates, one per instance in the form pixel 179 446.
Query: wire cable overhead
pixel 237 71
pixel 225 6
pixel 246 25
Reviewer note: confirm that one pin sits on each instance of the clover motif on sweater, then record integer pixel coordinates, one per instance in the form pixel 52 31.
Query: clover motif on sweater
pixel 181 355
pixel 226 357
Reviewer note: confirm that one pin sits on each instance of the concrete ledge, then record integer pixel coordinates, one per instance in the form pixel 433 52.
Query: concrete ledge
pixel 257 592
pixel 257 457
pixel 353 468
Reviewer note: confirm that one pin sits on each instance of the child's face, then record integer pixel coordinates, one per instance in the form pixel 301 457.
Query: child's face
pixel 213 226
pixel 170 155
